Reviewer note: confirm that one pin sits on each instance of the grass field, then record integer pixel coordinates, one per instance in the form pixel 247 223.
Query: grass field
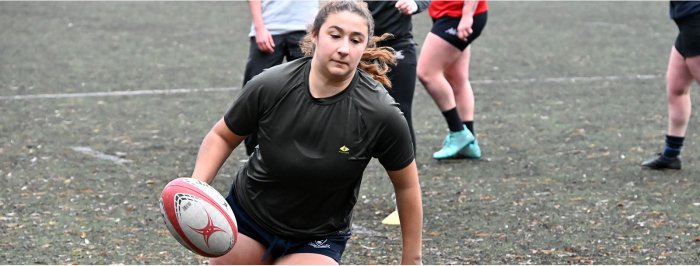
pixel 103 103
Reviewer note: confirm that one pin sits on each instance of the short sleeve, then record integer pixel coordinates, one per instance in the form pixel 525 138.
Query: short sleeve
pixel 261 93
pixel 243 115
pixel 394 147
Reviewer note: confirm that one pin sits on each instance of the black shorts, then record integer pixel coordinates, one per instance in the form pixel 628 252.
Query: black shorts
pixel 331 246
pixel 688 40
pixel 446 28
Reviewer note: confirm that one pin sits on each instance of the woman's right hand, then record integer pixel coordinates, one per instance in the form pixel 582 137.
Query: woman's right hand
pixel 407 7
pixel 464 29
pixel 264 40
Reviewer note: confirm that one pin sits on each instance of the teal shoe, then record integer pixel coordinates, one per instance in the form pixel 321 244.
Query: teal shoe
pixel 454 142
pixel 471 151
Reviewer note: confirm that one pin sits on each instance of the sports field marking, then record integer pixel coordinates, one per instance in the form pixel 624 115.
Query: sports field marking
pixel 566 79
pixel 100 155
pixel 183 91
pixel 356 229
pixel 113 93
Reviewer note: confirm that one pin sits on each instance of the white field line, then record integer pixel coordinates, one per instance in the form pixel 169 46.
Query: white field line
pixel 566 79
pixel 183 91
pixel 357 229
pixel 100 155
pixel 112 93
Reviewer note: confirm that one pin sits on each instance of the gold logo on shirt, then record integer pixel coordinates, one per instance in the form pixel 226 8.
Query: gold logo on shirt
pixel 344 149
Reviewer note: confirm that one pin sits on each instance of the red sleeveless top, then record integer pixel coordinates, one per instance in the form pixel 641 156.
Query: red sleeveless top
pixel 452 8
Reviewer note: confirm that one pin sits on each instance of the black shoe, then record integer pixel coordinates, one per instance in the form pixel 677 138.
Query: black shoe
pixel 663 162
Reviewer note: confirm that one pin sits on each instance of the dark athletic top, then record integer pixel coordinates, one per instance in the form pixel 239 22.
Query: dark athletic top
pixel 681 9
pixel 388 19
pixel 302 180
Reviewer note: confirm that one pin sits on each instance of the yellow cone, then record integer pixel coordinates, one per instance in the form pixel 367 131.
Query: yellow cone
pixel 392 219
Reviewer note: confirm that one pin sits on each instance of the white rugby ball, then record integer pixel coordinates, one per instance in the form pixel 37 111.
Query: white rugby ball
pixel 198 217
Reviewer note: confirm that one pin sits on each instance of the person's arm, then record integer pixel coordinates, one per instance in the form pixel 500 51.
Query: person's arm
pixel 262 37
pixel 410 206
pixel 410 7
pixel 407 7
pixel 465 24
pixel 215 149
pixel 422 5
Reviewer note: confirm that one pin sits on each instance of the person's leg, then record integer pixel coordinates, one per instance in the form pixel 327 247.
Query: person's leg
pixel 326 251
pixel 305 259
pixel 245 251
pixel 403 87
pixel 457 75
pixel 403 80
pixel 435 56
pixel 693 65
pixel 678 82
pixel 253 243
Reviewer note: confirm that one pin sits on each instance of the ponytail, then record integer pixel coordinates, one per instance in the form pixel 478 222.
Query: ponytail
pixel 375 60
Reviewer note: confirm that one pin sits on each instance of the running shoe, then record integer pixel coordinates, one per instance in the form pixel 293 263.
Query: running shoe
pixel 663 162
pixel 471 151
pixel 454 142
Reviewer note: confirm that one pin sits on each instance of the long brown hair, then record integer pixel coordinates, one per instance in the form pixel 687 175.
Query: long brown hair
pixel 375 60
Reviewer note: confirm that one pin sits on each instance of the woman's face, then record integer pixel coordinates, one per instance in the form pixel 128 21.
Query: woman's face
pixel 340 42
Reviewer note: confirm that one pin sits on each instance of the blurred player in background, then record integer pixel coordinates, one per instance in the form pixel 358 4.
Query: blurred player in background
pixel 278 27
pixel 443 68
pixel 683 69
pixel 395 18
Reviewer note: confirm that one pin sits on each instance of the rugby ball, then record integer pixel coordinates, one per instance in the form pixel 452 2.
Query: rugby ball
pixel 198 217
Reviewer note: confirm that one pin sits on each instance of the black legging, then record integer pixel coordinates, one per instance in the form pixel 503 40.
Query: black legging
pixel 403 80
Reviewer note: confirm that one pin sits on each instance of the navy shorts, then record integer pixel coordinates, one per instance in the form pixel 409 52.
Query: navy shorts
pixel 331 246
pixel 446 28
pixel 688 40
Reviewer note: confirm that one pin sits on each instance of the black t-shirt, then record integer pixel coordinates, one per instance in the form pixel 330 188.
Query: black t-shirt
pixel 303 179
